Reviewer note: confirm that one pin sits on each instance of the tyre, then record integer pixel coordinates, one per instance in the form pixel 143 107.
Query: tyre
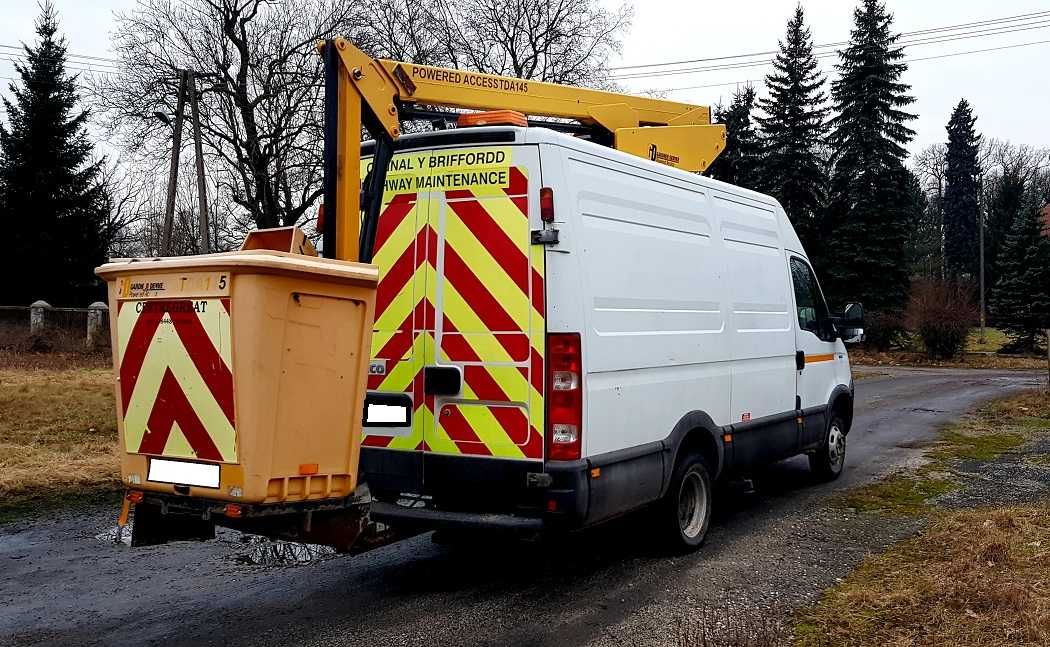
pixel 685 513
pixel 828 461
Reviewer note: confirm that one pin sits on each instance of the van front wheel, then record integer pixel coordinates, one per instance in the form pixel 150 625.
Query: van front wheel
pixel 828 461
pixel 686 510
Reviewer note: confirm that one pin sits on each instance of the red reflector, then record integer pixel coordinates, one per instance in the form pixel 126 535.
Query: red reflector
pixel 134 496
pixel 492 118
pixel 232 510
pixel 564 397
pixel 320 217
pixel 552 505
pixel 547 204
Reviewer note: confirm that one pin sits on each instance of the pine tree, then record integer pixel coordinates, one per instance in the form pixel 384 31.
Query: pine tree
pixel 1021 298
pixel 1006 196
pixel 792 131
pixel 871 209
pixel 51 200
pixel 739 162
pixel 961 251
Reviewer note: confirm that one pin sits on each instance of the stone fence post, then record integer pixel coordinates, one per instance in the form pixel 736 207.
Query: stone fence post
pixel 97 313
pixel 38 316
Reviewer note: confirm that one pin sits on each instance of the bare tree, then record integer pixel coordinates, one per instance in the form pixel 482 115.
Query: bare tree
pixel 260 79
pixel 926 246
pixel 127 196
pixel 259 90
pixel 561 41
pixel 406 30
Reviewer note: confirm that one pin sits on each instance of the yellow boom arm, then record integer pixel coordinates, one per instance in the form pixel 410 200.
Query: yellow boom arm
pixel 362 91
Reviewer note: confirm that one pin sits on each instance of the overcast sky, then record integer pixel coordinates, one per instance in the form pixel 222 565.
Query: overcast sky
pixel 1008 88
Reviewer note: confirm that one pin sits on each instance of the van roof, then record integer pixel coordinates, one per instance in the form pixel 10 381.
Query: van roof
pixel 482 135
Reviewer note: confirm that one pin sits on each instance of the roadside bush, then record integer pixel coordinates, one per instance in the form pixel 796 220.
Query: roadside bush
pixel 941 312
pixel 884 330
pixel 52 339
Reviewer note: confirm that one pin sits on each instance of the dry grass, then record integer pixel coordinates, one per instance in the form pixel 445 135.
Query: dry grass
pixel 57 433
pixel 866 358
pixel 859 375
pixel 975 577
pixel 999 427
pixel 978 353
pixel 20 360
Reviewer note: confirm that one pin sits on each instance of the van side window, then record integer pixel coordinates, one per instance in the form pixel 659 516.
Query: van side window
pixel 812 311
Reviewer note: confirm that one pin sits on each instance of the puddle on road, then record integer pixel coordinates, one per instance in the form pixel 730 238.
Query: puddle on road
pixel 269 552
pixel 249 549
pixel 116 535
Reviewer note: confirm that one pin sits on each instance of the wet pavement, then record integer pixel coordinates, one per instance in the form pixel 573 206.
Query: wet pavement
pixel 64 580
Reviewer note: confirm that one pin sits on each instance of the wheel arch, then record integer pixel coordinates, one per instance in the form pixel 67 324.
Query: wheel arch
pixel 841 403
pixel 697 432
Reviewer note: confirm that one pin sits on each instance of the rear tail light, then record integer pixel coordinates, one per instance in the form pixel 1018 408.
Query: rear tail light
pixel 564 397
pixel 547 204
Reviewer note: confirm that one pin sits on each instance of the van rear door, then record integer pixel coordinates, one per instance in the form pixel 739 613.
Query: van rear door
pixel 488 306
pixel 460 310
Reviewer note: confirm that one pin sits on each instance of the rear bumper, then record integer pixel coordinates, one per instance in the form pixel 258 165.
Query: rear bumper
pixel 430 518
pixel 476 492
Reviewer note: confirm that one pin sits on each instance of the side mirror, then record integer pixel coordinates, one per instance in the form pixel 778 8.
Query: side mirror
pixel 851 325
pixel 853 315
pixel 852 335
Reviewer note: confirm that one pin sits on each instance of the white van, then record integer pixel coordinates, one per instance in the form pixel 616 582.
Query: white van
pixel 577 333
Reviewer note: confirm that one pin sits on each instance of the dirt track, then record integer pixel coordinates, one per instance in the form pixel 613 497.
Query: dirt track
pixel 777 548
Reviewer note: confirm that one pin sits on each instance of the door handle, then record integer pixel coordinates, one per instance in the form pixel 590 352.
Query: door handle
pixel 442 380
pixel 800 360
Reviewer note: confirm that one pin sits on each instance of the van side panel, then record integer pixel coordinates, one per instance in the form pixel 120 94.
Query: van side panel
pixel 648 259
pixel 761 331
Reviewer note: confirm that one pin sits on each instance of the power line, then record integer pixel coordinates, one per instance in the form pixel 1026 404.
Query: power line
pixel 821 55
pixel 1015 18
pixel 68 54
pixel 712 85
pixel 908 61
pixel 70 67
pixel 73 65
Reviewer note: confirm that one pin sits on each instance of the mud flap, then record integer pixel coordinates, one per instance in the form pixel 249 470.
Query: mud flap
pixel 151 528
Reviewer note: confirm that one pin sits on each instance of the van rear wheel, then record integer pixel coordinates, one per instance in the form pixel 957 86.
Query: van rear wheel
pixel 686 510
pixel 828 461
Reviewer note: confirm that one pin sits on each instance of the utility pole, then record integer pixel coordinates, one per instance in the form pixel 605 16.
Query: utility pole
pixel 980 236
pixel 1047 331
pixel 202 195
pixel 980 225
pixel 173 173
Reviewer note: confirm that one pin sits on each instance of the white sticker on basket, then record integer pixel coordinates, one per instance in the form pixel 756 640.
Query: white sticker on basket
pixel 183 473
pixel 387 414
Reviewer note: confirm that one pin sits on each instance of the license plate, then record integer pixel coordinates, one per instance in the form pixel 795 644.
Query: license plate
pixel 183 473
pixel 387 410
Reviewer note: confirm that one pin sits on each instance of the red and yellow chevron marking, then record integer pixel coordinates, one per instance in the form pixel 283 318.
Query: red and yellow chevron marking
pixel 461 283
pixel 176 384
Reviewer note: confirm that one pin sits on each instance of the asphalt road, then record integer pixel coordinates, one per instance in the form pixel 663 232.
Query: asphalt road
pixel 770 550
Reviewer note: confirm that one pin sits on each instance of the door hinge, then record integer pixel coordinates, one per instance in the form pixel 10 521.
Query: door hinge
pixel 544 236
pixel 800 360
